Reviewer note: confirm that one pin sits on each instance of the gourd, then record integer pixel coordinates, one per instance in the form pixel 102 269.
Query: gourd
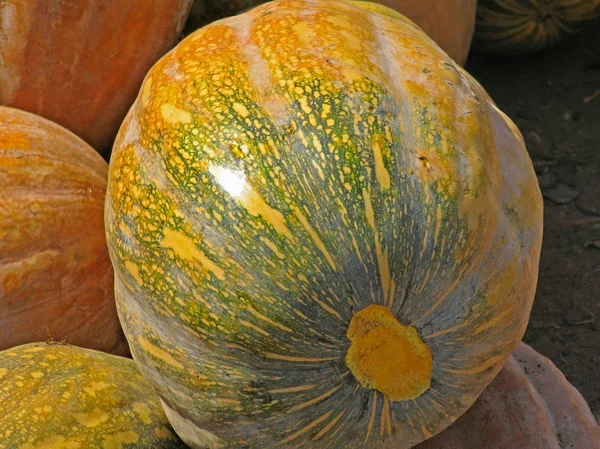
pixel 56 279
pixel 450 23
pixel 323 234
pixel 56 396
pixel 81 63
pixel 530 404
pixel 527 26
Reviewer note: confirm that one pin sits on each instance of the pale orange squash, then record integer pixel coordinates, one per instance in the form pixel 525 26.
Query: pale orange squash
pixel 80 63
pixel 56 279
pixel 529 405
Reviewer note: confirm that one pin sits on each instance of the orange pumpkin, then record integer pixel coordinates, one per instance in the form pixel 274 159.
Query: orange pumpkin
pixel 81 63
pixel 450 23
pixel 55 274
pixel 529 405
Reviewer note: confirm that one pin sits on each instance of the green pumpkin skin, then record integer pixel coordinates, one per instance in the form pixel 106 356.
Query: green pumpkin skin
pixel 56 396
pixel 279 173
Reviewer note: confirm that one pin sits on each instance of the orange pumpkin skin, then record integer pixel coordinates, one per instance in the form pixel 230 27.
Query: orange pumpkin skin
pixel 529 405
pixel 55 273
pixel 80 63
pixel 450 23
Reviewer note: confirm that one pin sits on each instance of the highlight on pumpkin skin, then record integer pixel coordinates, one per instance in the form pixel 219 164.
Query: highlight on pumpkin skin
pixel 387 356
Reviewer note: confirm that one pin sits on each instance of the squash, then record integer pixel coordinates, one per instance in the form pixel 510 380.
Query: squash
pixel 322 233
pixel 529 405
pixel 450 23
pixel 528 26
pixel 81 63
pixel 64 397
pixel 56 279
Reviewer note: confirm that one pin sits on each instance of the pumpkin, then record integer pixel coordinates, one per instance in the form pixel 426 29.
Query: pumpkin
pixel 56 279
pixel 81 63
pixel 450 23
pixel 529 405
pixel 65 397
pixel 322 233
pixel 527 26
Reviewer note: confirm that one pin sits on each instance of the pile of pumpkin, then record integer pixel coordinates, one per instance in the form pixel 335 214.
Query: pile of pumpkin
pixel 324 233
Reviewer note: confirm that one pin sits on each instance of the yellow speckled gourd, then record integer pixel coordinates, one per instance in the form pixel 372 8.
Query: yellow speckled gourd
pixel 55 396
pixel 324 233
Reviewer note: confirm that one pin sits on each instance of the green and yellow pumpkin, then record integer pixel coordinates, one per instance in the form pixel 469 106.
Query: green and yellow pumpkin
pixel 527 26
pixel 324 232
pixel 56 396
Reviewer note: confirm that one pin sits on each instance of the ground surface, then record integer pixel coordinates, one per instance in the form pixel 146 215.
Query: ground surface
pixel 550 96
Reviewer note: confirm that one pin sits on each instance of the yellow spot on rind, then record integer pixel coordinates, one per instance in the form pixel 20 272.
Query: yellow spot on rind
pixel 117 440
pixel 143 411
pixel 158 353
pixel 134 271
pixel 381 173
pixel 185 248
pixel 92 419
pixel 240 109
pixel 174 115
pixel 315 237
pixel 387 356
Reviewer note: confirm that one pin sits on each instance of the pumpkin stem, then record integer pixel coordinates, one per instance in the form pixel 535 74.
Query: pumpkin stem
pixel 387 356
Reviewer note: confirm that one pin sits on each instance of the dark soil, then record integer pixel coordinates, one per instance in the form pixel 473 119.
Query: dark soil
pixel 554 98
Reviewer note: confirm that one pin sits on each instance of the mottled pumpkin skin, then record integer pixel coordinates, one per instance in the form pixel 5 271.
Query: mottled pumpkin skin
pixel 56 396
pixel 529 405
pixel 284 169
pixel 80 63
pixel 56 278
pixel 527 26
pixel 450 23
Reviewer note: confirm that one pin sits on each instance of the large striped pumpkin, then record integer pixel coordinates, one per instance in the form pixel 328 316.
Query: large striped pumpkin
pixel 324 233
pixel 527 26
pixel 80 63
pixel 56 396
